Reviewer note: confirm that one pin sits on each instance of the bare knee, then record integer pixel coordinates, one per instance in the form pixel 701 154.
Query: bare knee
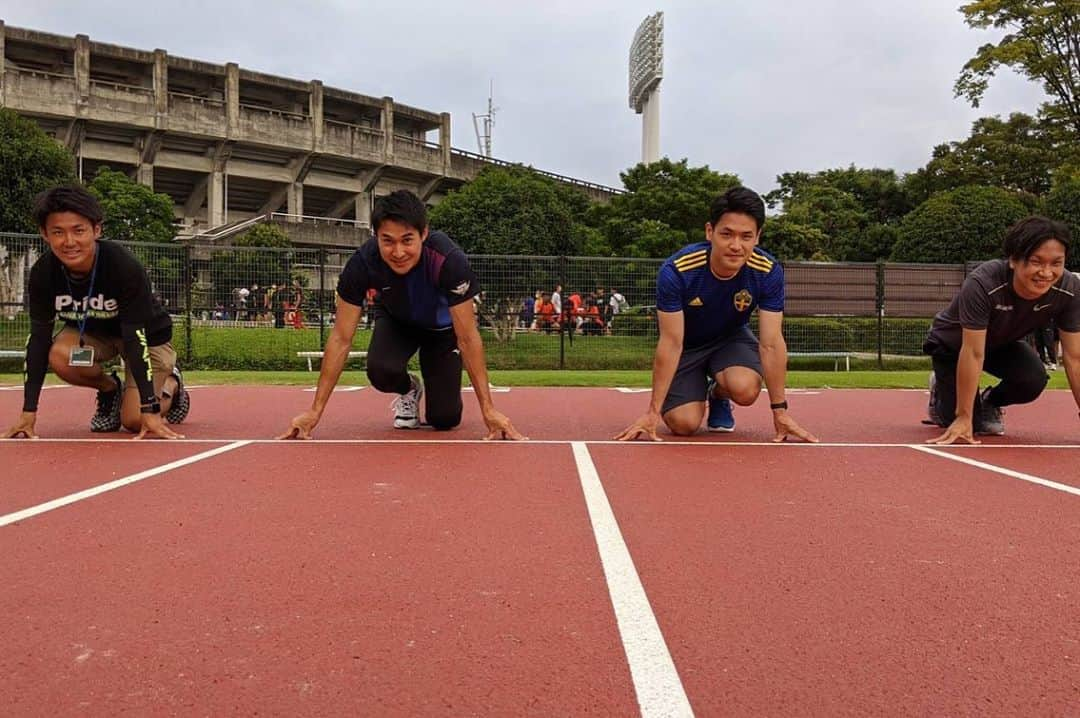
pixel 684 420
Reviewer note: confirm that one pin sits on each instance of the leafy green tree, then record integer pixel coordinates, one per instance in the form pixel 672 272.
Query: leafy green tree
pixel 879 192
pixel 259 256
pixel 960 225
pixel 672 194
pixel 1018 154
pixel 30 162
pixel 133 212
pixel 1063 204
pixel 837 215
pixel 513 210
pixel 1041 44
pixel 790 241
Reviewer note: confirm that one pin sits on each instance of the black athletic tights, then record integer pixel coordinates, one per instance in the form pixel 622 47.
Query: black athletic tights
pixel 1022 375
pixel 392 345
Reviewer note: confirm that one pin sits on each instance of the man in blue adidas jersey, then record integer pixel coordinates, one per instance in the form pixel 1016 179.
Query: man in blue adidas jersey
pixel 707 354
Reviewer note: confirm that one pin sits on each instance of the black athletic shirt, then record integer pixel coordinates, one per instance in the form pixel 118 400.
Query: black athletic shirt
pixel 122 306
pixel 986 300
pixel 423 297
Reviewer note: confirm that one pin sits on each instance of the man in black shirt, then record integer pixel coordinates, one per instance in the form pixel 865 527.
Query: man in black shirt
pixel 425 287
pixel 983 329
pixel 102 293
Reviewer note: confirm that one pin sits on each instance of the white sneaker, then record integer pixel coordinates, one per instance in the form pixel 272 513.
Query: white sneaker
pixel 407 406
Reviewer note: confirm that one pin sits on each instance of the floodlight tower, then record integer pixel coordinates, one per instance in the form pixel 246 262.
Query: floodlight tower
pixel 646 71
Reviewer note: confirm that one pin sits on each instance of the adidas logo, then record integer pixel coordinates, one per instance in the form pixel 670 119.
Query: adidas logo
pixel 696 302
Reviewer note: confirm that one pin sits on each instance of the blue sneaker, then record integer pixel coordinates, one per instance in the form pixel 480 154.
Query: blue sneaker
pixel 720 416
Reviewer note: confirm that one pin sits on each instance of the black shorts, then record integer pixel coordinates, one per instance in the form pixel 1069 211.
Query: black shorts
pixel 696 365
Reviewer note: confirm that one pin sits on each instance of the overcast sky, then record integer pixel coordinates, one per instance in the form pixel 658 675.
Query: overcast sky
pixel 755 88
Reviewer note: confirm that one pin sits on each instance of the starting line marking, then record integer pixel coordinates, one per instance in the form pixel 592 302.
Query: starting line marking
pixel 593 442
pixel 118 483
pixel 659 690
pixel 337 389
pixel 1000 470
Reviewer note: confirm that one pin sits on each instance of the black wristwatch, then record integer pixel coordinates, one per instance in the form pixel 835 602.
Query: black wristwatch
pixel 779 405
pixel 153 407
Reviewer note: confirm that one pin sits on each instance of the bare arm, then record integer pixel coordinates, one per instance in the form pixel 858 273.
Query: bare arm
pixel 665 362
pixel 774 357
pixel 968 369
pixel 1070 357
pixel 335 353
pixel 471 346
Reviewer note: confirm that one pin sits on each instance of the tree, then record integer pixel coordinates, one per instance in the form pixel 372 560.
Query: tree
pixel 133 212
pixel 1018 154
pixel 30 162
pixel 1063 204
pixel 259 256
pixel 960 225
pixel 789 241
pixel 512 210
pixel 879 192
pixel 670 193
pixel 1041 44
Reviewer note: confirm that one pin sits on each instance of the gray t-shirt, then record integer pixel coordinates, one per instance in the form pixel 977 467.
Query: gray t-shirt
pixel 986 300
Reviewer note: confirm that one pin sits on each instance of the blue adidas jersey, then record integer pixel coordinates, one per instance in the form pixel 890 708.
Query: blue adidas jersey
pixel 711 307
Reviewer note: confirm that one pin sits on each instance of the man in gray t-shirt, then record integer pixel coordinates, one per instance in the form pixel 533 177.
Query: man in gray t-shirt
pixel 984 326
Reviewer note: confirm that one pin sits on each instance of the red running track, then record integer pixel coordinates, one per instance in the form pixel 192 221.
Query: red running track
pixel 835 415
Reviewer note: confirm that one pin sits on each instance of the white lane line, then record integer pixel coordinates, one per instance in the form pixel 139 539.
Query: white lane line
pixel 1001 470
pixel 337 389
pixel 593 442
pixel 659 690
pixel 96 490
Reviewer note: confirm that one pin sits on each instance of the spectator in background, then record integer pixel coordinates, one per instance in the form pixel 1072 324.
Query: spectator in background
pixel 528 311
pixel 546 318
pixel 297 302
pixel 592 321
pixel 556 299
pixel 617 304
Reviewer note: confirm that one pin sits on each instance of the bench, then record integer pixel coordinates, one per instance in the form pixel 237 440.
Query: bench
pixel 837 356
pixel 319 355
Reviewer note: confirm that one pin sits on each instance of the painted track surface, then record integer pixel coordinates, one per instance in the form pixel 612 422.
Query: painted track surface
pixel 839 415
pixel 882 583
pixel 318 585
pixel 288 578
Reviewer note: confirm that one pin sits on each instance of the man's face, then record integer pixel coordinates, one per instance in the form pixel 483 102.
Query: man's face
pixel 733 239
pixel 400 245
pixel 1034 276
pixel 71 238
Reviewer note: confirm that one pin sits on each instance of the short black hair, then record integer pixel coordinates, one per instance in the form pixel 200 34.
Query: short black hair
pixel 400 206
pixel 738 199
pixel 1026 236
pixel 68 198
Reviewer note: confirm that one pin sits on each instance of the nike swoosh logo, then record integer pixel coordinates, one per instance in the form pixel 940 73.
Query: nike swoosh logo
pixel 1040 307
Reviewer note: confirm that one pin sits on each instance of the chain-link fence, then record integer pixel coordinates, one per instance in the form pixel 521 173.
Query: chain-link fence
pixel 259 308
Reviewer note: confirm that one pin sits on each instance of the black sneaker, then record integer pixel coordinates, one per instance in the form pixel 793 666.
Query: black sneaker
pixel 181 400
pixel 107 416
pixel 989 420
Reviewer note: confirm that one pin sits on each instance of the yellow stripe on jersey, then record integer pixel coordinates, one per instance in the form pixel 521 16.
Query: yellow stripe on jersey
pixel 760 263
pixel 692 257
pixel 695 265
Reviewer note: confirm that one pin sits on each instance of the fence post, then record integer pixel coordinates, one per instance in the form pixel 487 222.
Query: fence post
pixel 560 319
pixel 188 309
pixel 322 293
pixel 880 312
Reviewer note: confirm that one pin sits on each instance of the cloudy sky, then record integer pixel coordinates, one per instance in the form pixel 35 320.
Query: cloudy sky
pixel 755 88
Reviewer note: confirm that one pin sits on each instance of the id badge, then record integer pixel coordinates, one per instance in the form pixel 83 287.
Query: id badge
pixel 81 356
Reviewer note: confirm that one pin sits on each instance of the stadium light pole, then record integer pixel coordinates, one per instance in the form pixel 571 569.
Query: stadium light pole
pixel 646 71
